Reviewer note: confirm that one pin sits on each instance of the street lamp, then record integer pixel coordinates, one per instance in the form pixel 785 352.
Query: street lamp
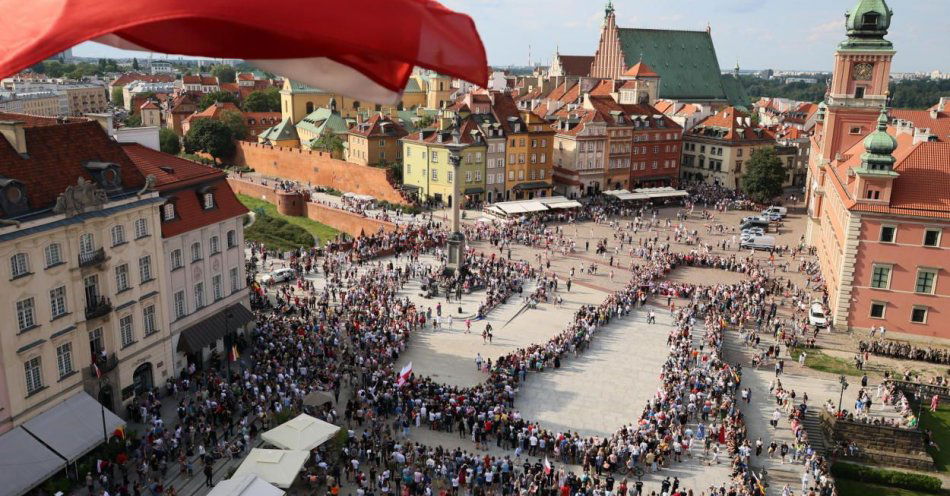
pixel 228 342
pixel 844 385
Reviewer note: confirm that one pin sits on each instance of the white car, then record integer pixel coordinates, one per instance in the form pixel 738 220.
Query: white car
pixel 279 275
pixel 753 231
pixel 816 315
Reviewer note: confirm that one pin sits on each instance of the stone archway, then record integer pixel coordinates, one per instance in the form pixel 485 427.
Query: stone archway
pixel 142 380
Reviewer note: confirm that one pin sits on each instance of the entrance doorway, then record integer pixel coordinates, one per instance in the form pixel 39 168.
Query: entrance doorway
pixel 106 397
pixel 142 378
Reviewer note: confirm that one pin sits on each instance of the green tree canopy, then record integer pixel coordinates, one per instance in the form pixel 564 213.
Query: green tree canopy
pixel 135 63
pixel 210 99
pixel 168 141
pixel 764 175
pixel 210 136
pixel 328 142
pixel 224 73
pixel 235 122
pixel 117 98
pixel 263 101
pixel 134 120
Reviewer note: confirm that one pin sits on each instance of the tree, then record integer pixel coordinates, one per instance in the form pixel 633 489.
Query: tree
pixel 263 101
pixel 764 175
pixel 328 142
pixel 425 121
pixel 210 136
pixel 210 99
pixel 117 98
pixel 235 122
pixel 133 120
pixel 225 73
pixel 135 63
pixel 168 141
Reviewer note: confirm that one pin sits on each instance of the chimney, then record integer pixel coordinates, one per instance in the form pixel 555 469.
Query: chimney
pixel 935 112
pixel 104 120
pixel 14 133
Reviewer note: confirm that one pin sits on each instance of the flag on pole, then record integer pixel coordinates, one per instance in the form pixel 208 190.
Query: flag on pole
pixel 233 355
pixel 547 466
pixel 95 368
pixel 404 375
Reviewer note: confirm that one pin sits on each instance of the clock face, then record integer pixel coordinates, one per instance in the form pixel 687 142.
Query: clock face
pixel 862 72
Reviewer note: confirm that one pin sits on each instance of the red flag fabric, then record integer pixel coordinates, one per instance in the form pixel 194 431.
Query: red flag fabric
pixel 361 48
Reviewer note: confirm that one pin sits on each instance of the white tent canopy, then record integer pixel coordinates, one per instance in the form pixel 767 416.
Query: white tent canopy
pixel 662 192
pixel 75 426
pixel 301 433
pixel 245 485
pixel 632 196
pixel 279 467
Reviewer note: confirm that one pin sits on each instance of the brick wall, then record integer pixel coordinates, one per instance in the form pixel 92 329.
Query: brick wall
pixel 316 168
pixel 341 220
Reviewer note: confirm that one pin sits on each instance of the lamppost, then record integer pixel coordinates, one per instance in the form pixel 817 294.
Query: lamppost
pixel 456 241
pixel 228 342
pixel 844 385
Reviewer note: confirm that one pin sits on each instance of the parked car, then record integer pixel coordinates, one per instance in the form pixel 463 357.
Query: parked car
pixel 753 218
pixel 758 243
pixel 753 231
pixel 816 315
pixel 279 275
pixel 774 210
pixel 755 222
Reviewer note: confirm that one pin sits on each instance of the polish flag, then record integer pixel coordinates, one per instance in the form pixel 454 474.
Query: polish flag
pixel 365 49
pixel 95 368
pixel 404 375
pixel 547 466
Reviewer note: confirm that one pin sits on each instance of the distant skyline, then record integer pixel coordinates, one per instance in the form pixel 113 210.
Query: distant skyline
pixel 760 34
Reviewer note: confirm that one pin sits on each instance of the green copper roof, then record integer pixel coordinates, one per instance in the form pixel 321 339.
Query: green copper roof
pixel 412 86
pixel 867 23
pixel 323 118
pixel 283 131
pixel 685 60
pixel 734 90
pixel 879 147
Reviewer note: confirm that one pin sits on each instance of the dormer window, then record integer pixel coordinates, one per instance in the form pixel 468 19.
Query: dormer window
pixel 106 174
pixel 870 20
pixel 13 198
pixel 168 212
pixel 208 201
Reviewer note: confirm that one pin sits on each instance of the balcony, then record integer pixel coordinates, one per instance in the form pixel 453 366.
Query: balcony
pixel 95 257
pixel 105 364
pixel 98 308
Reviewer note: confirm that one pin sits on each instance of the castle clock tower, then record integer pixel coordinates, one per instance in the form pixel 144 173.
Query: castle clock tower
pixel 859 85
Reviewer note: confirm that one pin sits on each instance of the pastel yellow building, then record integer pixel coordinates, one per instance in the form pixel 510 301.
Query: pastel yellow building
pixel 428 171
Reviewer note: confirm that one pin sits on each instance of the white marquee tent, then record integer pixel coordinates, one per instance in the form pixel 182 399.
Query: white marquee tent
pixel 245 485
pixel 279 467
pixel 301 433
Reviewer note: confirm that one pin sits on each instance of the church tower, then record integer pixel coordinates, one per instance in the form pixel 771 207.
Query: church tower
pixel 858 89
pixel 608 59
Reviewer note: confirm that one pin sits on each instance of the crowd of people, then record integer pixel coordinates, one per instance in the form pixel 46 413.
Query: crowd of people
pixel 905 351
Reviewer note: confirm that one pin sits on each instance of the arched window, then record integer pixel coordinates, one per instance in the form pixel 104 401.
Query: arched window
pixel 356 105
pixel 309 107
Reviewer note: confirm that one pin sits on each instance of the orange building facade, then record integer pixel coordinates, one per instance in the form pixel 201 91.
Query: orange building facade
pixel 878 193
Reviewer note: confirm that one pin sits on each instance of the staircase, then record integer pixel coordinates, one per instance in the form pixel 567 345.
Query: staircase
pixel 816 436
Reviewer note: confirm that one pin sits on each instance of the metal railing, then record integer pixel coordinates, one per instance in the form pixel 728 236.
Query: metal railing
pixel 94 257
pixel 105 364
pixel 98 308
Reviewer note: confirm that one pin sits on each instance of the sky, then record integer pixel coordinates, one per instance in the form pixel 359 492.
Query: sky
pixel 760 34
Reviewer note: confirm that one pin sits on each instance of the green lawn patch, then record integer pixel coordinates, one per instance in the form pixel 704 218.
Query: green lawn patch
pixel 278 234
pixel 889 478
pixel 854 488
pixel 320 231
pixel 939 424
pixel 815 359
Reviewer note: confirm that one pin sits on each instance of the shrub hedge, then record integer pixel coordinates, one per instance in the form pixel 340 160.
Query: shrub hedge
pixel 894 478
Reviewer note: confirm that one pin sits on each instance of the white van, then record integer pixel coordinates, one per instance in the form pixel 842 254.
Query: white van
pixel 774 210
pixel 759 243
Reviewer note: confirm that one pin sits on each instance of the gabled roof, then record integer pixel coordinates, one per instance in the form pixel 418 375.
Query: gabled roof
pixel 733 89
pixel 129 77
pixel 281 132
pixel 685 60
pixel 322 119
pixel 940 126
pixel 641 70
pixel 379 126
pixel 230 87
pixel 172 174
pixel 725 125
pixel 149 105
pixel 245 76
pixel 579 118
pixel 466 134
pixel 604 87
pixel 576 65
pixel 504 107
pixel 56 157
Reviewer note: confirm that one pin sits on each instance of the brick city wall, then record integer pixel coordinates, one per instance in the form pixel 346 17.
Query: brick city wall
pixel 317 169
pixel 341 220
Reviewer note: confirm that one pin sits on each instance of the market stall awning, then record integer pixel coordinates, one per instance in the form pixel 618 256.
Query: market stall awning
pixel 616 192
pixel 632 196
pixel 565 204
pixel 245 485
pixel 73 427
pixel 368 57
pixel 474 191
pixel 213 328
pixel 301 433
pixel 279 467
pixel 317 398
pixel 26 462
pixel 531 185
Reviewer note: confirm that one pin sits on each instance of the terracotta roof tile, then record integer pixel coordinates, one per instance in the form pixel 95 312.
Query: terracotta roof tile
pixel 640 69
pixel 576 65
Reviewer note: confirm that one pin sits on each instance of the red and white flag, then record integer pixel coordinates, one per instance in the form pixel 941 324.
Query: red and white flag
pixel 364 49
pixel 95 368
pixel 404 375
pixel 547 466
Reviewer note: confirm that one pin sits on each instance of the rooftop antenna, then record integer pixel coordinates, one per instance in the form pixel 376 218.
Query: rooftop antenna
pixel 529 54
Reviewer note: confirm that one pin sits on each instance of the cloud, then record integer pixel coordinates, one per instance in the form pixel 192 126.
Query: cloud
pixel 825 31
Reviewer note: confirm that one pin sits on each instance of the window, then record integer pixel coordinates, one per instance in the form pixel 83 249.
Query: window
pixel 122 277
pixel 521 175
pixel 888 234
pixel 19 265
pixel 450 176
pixel 64 359
pixel 511 175
pixel 141 228
pixel 168 211
pixel 118 235
pixel 176 259
pixel 179 304
pixel 54 255
pixel 478 175
pixel 233 274
pixel 57 301
pixel 145 268
pixel 877 309
pixel 195 251
pixel 932 237
pixel 34 375
pixel 125 330
pixel 25 314
pixel 232 238
pixel 918 315
pixel 881 277
pixel 855 130
pixel 216 287
pixel 926 281
pixel 435 157
pixel 86 243
pixel 435 175
pixel 148 320
pixel 199 295
pixel 213 248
